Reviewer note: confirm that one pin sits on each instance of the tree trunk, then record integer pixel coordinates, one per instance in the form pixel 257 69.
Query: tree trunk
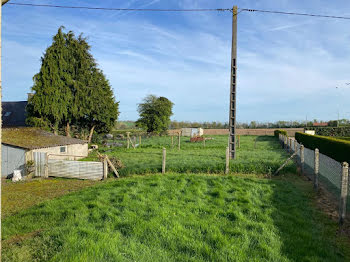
pixel 68 130
pixel 91 133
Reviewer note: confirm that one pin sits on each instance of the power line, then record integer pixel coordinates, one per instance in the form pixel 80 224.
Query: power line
pixel 293 13
pixel 125 9
pixel 180 10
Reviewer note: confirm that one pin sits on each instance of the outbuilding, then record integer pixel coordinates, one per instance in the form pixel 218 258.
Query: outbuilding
pixel 19 145
pixel 192 131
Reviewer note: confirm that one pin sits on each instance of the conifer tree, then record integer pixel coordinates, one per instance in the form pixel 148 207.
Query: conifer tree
pixel 71 90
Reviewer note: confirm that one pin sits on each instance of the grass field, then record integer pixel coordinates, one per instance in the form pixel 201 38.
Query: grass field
pixel 22 195
pixel 177 217
pixel 263 158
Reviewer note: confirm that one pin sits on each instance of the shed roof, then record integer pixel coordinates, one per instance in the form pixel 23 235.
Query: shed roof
pixel 14 114
pixel 34 138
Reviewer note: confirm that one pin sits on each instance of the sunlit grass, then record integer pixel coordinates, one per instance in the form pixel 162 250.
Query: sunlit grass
pixel 176 217
pixel 262 157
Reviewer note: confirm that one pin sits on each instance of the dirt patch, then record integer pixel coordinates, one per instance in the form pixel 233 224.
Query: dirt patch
pixel 17 239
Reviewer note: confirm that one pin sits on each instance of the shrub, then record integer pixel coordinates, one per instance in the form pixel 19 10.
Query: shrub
pixel 332 131
pixel 335 148
pixel 280 131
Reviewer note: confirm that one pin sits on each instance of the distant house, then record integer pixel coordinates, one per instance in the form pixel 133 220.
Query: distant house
pixel 14 114
pixel 18 145
pixel 319 124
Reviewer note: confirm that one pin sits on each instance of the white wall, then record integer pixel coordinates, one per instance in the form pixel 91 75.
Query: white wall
pixel 73 152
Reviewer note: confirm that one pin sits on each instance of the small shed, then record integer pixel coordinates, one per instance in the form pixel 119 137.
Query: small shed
pixel 19 145
pixel 192 131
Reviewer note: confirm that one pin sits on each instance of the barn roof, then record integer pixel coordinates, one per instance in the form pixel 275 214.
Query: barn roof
pixel 34 138
pixel 14 114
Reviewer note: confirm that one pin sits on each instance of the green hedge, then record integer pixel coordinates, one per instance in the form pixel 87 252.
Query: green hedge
pixel 280 131
pixel 335 148
pixel 331 131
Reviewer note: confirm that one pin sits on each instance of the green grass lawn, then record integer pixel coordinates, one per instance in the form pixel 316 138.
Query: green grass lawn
pixel 178 217
pixel 21 195
pixel 264 158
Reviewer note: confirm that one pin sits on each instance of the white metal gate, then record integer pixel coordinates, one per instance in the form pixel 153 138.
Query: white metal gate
pixel 75 169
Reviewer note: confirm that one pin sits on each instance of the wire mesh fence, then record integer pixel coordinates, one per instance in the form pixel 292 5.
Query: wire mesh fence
pixel 323 171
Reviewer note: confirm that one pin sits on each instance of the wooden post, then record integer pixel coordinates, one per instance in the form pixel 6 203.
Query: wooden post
pixel 317 165
pixel 128 139
pixel 172 141
pixel 164 161
pixel 289 145
pixel 179 145
pixel 105 168
pixel 295 145
pixel 227 169
pixel 203 141
pixel 285 142
pixel 343 192
pixel 140 141
pixel 302 159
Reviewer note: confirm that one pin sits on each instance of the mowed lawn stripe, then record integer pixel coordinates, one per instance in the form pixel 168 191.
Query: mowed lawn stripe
pixel 177 217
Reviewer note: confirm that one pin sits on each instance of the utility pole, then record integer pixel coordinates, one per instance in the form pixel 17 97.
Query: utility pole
pixel 232 121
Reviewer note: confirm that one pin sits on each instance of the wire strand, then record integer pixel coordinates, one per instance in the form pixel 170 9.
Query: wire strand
pixel 180 10
pixel 293 13
pixel 124 9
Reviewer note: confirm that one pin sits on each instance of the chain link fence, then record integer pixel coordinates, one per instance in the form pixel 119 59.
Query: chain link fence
pixel 323 171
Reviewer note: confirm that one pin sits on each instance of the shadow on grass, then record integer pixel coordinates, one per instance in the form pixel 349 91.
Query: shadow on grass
pixel 306 233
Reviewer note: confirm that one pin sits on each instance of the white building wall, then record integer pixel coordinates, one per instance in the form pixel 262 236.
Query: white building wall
pixel 72 152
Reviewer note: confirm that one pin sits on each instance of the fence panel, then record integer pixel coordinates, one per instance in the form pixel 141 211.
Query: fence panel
pixel 330 172
pixel 39 163
pixel 76 169
pixel 309 162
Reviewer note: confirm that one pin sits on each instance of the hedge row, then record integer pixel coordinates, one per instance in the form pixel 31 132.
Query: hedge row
pixel 280 131
pixel 335 148
pixel 332 131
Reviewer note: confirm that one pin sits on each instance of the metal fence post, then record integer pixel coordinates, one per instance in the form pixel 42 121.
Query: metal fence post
pixel 343 192
pixel 227 169
pixel 164 161
pixel 302 159
pixel 295 145
pixel 179 145
pixel 317 165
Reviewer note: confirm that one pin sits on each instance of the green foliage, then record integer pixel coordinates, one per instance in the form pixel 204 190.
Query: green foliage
pixel 335 148
pixel 155 113
pixel 177 217
pixel 280 131
pixel 70 89
pixel 332 131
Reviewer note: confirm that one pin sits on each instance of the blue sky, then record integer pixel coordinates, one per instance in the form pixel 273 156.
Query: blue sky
pixel 288 66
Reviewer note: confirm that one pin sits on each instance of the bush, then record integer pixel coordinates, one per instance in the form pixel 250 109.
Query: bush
pixel 280 131
pixel 332 131
pixel 335 148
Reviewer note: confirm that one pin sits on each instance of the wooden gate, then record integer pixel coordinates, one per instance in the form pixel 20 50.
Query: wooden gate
pixel 39 163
